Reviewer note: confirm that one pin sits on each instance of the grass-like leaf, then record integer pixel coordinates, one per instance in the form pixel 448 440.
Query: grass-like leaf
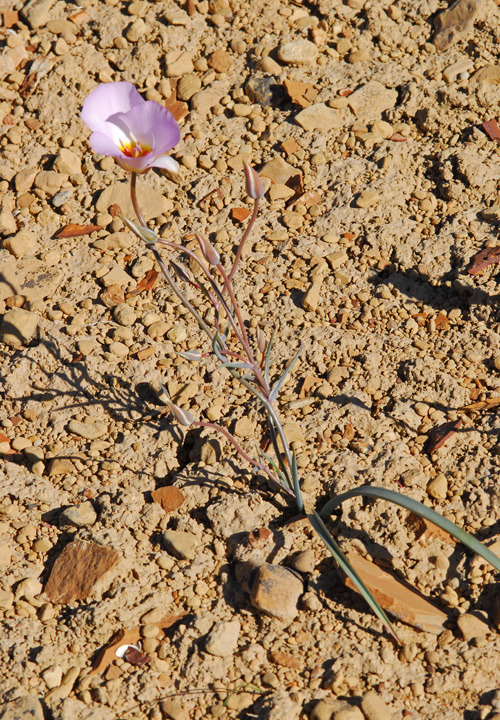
pixel 346 566
pixel 296 483
pixel 419 509
pixel 267 363
pixel 277 386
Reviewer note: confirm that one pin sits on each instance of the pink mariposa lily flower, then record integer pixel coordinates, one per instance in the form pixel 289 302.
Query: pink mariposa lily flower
pixel 136 132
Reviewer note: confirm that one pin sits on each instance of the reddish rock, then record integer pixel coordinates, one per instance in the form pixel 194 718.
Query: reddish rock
pixel 397 598
pixel 170 498
pixel 77 570
pixel 220 61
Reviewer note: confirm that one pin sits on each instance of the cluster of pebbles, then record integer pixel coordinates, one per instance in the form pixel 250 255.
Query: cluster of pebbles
pixel 364 119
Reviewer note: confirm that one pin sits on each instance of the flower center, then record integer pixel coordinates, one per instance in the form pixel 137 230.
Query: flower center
pixel 133 149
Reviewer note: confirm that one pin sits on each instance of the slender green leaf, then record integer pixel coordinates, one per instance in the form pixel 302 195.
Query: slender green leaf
pixel 274 440
pixel 346 566
pixel 236 365
pixel 276 469
pixel 296 483
pixel 277 386
pixel 415 507
pixel 267 364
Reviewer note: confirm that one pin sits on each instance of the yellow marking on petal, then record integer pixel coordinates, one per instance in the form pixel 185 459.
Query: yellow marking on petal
pixel 134 149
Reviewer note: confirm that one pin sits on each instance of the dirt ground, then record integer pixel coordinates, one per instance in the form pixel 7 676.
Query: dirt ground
pixel 365 119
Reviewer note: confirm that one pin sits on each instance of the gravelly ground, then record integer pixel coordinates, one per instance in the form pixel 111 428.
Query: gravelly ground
pixel 392 190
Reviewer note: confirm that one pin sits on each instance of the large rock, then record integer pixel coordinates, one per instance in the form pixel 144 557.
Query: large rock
pixel 25 708
pixel 151 201
pixel 18 327
pixel 456 22
pixel 78 569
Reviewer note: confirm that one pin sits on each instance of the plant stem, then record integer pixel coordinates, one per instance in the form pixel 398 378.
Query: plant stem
pixel 243 239
pixel 133 197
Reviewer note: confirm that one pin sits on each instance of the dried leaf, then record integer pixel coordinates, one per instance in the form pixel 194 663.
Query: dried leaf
pixel 440 434
pixel 28 85
pixel 136 657
pixel 115 210
pixel 482 404
pixel 491 129
pixel 484 258
pixel 127 637
pixel 397 137
pixel 147 283
pixel 73 230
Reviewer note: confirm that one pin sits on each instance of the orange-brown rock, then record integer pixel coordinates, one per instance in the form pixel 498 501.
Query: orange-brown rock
pixel 170 498
pixel 77 570
pixel 396 597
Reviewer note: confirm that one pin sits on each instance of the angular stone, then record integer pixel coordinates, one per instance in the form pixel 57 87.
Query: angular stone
pixel 278 170
pixel 170 498
pixel 456 22
pixel 36 12
pixel 298 52
pixel 49 181
pixel 81 515
pixel 265 91
pixel 89 431
pixel 321 117
pixel 29 277
pixel 24 180
pixel 21 244
pixel 61 466
pixel 188 86
pixel 181 544
pixel 488 74
pixel 245 427
pixel 118 276
pixel 18 327
pixel 222 640
pixel 151 201
pixel 67 162
pixel 310 301
pixel 178 63
pixel 397 599
pixel 275 591
pixel 373 707
pixel 24 708
pixel 472 627
pixel 206 99
pixel 220 61
pixel 78 569
pixel 369 101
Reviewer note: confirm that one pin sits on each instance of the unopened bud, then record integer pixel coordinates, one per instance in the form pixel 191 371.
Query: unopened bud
pixel 261 339
pixel 209 252
pixel 191 355
pixel 253 183
pixel 144 233
pixel 183 417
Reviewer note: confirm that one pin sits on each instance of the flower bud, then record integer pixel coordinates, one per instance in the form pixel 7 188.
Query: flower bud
pixel 261 340
pixel 144 233
pixel 209 252
pixel 191 355
pixel 183 417
pixel 253 183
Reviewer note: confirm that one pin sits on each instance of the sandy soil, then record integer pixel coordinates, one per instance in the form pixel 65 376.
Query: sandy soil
pixel 378 198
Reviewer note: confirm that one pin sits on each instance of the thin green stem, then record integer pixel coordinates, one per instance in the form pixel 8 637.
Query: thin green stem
pixel 133 197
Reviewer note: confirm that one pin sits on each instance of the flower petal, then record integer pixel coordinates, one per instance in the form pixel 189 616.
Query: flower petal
pixel 103 144
pixel 138 165
pixel 108 99
pixel 153 125
pixel 166 162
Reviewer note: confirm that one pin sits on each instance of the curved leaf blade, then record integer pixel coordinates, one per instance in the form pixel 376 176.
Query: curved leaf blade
pixel 419 509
